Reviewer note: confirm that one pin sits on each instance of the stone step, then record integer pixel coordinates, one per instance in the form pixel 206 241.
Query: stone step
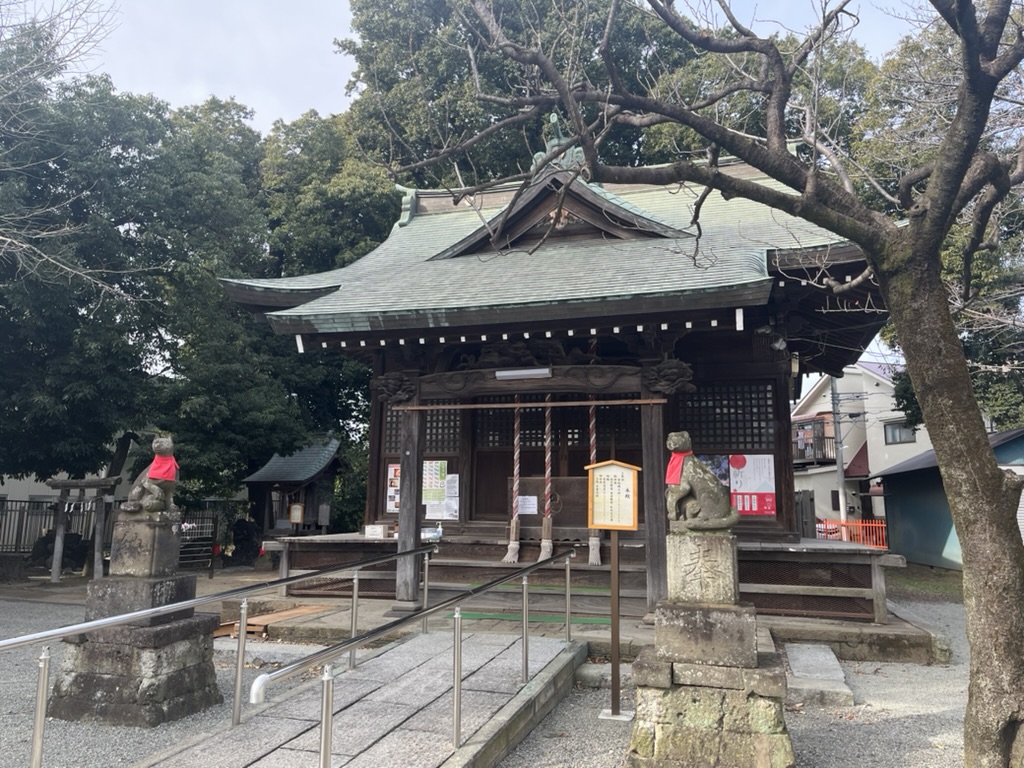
pixel 815 676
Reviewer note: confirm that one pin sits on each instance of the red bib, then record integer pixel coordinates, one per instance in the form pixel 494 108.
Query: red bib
pixel 163 468
pixel 674 472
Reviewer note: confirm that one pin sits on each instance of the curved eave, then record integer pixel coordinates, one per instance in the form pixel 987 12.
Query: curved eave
pixel 398 322
pixel 263 298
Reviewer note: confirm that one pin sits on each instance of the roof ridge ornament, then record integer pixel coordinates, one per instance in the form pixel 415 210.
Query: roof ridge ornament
pixel 409 198
pixel 560 153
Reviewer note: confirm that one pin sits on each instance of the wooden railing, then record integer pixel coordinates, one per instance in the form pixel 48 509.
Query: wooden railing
pixel 870 533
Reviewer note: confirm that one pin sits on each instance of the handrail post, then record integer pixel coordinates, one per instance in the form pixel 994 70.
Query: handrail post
pixel 568 602
pixel 526 628
pixel 457 681
pixel 353 631
pixel 243 630
pixel 40 717
pixel 326 715
pixel 426 589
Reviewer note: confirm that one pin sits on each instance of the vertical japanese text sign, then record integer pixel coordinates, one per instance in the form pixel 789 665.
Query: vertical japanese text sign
pixel 612 498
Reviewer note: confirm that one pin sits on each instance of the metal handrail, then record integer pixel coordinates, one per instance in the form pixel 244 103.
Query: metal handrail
pixel 145 613
pixel 35 759
pixel 257 693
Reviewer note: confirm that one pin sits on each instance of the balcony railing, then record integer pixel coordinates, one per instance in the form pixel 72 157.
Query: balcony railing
pixel 870 533
pixel 817 448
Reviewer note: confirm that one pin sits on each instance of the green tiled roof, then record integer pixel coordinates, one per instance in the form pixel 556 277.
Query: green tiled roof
pixel 299 467
pixel 398 287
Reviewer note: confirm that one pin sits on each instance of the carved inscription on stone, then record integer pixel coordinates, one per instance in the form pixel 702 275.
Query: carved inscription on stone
pixel 702 568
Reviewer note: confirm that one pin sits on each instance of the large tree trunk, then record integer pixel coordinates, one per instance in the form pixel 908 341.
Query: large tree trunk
pixel 982 498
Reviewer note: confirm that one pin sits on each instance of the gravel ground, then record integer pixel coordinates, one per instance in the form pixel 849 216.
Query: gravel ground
pixel 78 745
pixel 906 716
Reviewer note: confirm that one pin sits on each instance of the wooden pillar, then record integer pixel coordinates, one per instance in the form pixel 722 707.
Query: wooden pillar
pixel 652 435
pixel 375 466
pixel 60 522
pixel 99 527
pixel 407 580
pixel 785 490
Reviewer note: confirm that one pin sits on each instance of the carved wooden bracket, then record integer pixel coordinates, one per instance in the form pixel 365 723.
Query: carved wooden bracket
pixel 394 387
pixel 669 377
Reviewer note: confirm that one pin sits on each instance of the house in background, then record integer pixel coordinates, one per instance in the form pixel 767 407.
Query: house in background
pixel 874 438
pixel 920 525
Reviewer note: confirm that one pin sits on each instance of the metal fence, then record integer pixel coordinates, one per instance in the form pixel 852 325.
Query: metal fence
pixel 199 538
pixel 23 522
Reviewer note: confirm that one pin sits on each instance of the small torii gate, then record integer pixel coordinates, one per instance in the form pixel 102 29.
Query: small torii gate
pixel 104 487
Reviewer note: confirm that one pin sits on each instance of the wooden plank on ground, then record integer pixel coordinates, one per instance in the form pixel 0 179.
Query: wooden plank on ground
pixel 257 625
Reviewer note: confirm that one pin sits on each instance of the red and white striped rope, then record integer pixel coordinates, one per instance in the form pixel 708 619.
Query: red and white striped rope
pixel 593 431
pixel 515 460
pixel 547 456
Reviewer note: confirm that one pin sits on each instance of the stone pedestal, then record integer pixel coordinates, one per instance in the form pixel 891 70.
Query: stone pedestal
pixel 144 546
pixel 702 567
pixel 703 633
pixel 153 670
pixel 711 690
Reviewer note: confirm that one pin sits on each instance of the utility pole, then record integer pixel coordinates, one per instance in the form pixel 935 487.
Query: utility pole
pixel 837 430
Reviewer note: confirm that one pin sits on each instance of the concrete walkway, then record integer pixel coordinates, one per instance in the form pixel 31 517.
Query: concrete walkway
pixel 396 709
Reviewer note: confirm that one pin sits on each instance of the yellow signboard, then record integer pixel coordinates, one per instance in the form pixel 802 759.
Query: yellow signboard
pixel 612 497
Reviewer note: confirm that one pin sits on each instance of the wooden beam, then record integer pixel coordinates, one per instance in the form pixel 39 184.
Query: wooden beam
pixel 537 406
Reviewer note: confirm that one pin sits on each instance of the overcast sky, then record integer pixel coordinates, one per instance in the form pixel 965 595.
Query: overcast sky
pixel 274 56
pixel 278 57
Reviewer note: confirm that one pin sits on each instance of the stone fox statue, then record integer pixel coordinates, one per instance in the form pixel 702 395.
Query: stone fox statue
pixel 153 489
pixel 694 496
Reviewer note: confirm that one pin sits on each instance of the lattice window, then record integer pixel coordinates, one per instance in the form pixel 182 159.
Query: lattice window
pixel 576 426
pixel 730 418
pixel 443 429
pixel 392 430
pixel 495 427
pixel 621 422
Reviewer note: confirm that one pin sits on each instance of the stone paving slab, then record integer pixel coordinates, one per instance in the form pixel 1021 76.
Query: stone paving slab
pixel 241 747
pixel 396 709
pixel 815 676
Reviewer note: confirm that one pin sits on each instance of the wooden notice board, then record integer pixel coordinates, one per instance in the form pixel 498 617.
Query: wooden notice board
pixel 612 496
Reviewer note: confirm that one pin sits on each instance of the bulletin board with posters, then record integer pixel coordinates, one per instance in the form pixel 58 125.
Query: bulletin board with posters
pixel 750 478
pixel 440 491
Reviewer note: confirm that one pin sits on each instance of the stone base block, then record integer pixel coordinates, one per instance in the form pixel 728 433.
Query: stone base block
pixel 12 567
pixel 123 594
pixel 767 679
pixel 143 547
pixel 118 682
pixel 703 727
pixel 698 633
pixel 702 568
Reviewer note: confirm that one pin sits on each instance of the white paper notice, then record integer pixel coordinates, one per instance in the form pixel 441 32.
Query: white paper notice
pixel 527 505
pixel 451 486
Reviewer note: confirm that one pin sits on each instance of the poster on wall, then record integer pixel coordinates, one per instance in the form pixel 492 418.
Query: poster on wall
pixel 440 491
pixel 448 507
pixel 752 483
pixel 394 476
pixel 435 476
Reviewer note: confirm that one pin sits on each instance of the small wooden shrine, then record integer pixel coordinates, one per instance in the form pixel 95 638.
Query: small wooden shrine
pixel 522 333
